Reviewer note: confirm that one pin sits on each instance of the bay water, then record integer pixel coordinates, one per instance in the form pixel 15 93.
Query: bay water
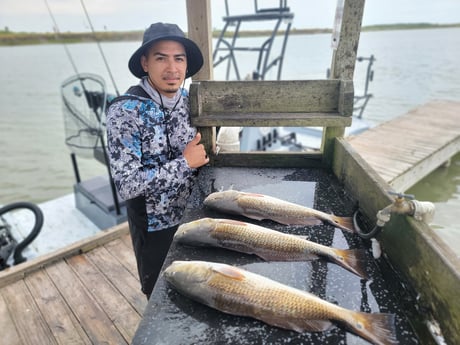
pixel 412 67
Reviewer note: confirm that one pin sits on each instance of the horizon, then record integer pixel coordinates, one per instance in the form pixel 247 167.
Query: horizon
pixel 420 25
pixel 30 16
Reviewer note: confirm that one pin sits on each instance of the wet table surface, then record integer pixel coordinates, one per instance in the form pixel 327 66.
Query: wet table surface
pixel 171 318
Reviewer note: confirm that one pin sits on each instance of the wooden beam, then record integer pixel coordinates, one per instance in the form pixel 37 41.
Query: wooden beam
pixel 293 96
pixel 200 31
pixel 272 120
pixel 344 57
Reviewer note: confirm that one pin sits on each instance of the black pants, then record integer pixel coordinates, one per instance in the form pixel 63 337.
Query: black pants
pixel 150 248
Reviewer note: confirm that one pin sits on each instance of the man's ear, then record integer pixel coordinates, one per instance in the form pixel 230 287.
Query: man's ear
pixel 144 63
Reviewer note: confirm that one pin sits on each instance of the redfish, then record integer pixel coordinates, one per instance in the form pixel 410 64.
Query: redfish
pixel 268 244
pixel 259 206
pixel 236 291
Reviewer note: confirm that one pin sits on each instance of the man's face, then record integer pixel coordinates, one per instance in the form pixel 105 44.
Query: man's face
pixel 166 64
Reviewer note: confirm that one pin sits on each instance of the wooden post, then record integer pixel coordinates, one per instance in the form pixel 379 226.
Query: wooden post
pixel 200 31
pixel 343 63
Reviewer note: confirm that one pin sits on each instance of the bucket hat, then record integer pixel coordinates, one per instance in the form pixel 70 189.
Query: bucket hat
pixel 163 31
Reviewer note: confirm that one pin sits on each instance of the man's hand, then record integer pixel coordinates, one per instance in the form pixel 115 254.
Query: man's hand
pixel 195 153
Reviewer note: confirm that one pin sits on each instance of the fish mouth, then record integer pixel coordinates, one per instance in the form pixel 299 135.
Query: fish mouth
pixel 182 230
pixel 192 231
pixel 175 271
pixel 183 273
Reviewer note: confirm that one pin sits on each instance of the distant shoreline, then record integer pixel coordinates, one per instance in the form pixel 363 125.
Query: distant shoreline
pixel 8 38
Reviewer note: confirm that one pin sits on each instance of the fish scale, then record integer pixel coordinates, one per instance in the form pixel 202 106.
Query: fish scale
pixel 291 245
pixel 239 292
pixel 268 244
pixel 294 307
pixel 260 206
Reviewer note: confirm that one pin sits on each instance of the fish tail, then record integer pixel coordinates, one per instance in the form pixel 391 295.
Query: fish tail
pixel 353 260
pixel 344 223
pixel 377 328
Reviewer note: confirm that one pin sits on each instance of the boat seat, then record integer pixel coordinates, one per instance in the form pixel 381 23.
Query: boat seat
pixel 98 190
pixel 94 198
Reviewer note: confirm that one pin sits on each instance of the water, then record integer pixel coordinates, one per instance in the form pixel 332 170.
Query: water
pixel 412 67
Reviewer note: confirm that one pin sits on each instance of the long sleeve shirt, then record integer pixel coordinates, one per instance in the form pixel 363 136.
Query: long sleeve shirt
pixel 145 144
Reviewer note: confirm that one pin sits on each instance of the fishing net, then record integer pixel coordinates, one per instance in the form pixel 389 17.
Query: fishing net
pixel 84 101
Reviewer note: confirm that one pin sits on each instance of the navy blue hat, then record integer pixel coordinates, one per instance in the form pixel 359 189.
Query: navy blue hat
pixel 160 32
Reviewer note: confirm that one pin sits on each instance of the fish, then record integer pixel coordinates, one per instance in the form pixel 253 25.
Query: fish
pixel 236 291
pixel 268 244
pixel 260 206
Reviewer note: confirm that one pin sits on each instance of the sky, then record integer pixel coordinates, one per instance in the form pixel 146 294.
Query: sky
pixel 121 15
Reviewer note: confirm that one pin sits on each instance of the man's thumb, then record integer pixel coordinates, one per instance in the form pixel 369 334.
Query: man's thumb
pixel 197 138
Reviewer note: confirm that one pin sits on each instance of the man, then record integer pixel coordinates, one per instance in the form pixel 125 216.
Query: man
pixel 153 150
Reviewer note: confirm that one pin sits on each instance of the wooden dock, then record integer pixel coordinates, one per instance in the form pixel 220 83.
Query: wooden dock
pixel 406 149
pixel 88 293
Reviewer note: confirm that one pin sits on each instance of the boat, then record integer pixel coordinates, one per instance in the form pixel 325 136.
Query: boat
pixel 415 272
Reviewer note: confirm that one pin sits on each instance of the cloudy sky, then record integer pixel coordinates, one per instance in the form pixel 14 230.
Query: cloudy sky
pixel 118 15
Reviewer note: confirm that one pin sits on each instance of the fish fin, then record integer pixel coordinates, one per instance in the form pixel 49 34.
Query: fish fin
pixel 315 326
pixel 230 272
pixel 253 216
pixel 303 221
pixel 353 260
pixel 377 328
pixel 300 325
pixel 344 223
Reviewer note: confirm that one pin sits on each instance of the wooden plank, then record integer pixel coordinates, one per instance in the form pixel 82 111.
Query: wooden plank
pixel 344 57
pixel 241 119
pixel 88 312
pixel 122 314
pixel 424 167
pixel 30 325
pixel 17 272
pixel 346 98
pixel 127 284
pixel 247 97
pixel 60 319
pixel 200 31
pixel 407 148
pixel 124 254
pixel 127 241
pixel 9 334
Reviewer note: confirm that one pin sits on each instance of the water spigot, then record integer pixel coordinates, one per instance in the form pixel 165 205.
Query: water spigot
pixel 403 204
pixel 406 204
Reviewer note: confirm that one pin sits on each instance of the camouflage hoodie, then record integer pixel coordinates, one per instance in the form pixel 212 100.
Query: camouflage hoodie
pixel 145 145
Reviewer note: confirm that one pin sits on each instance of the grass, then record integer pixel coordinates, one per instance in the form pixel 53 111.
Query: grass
pixel 8 38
